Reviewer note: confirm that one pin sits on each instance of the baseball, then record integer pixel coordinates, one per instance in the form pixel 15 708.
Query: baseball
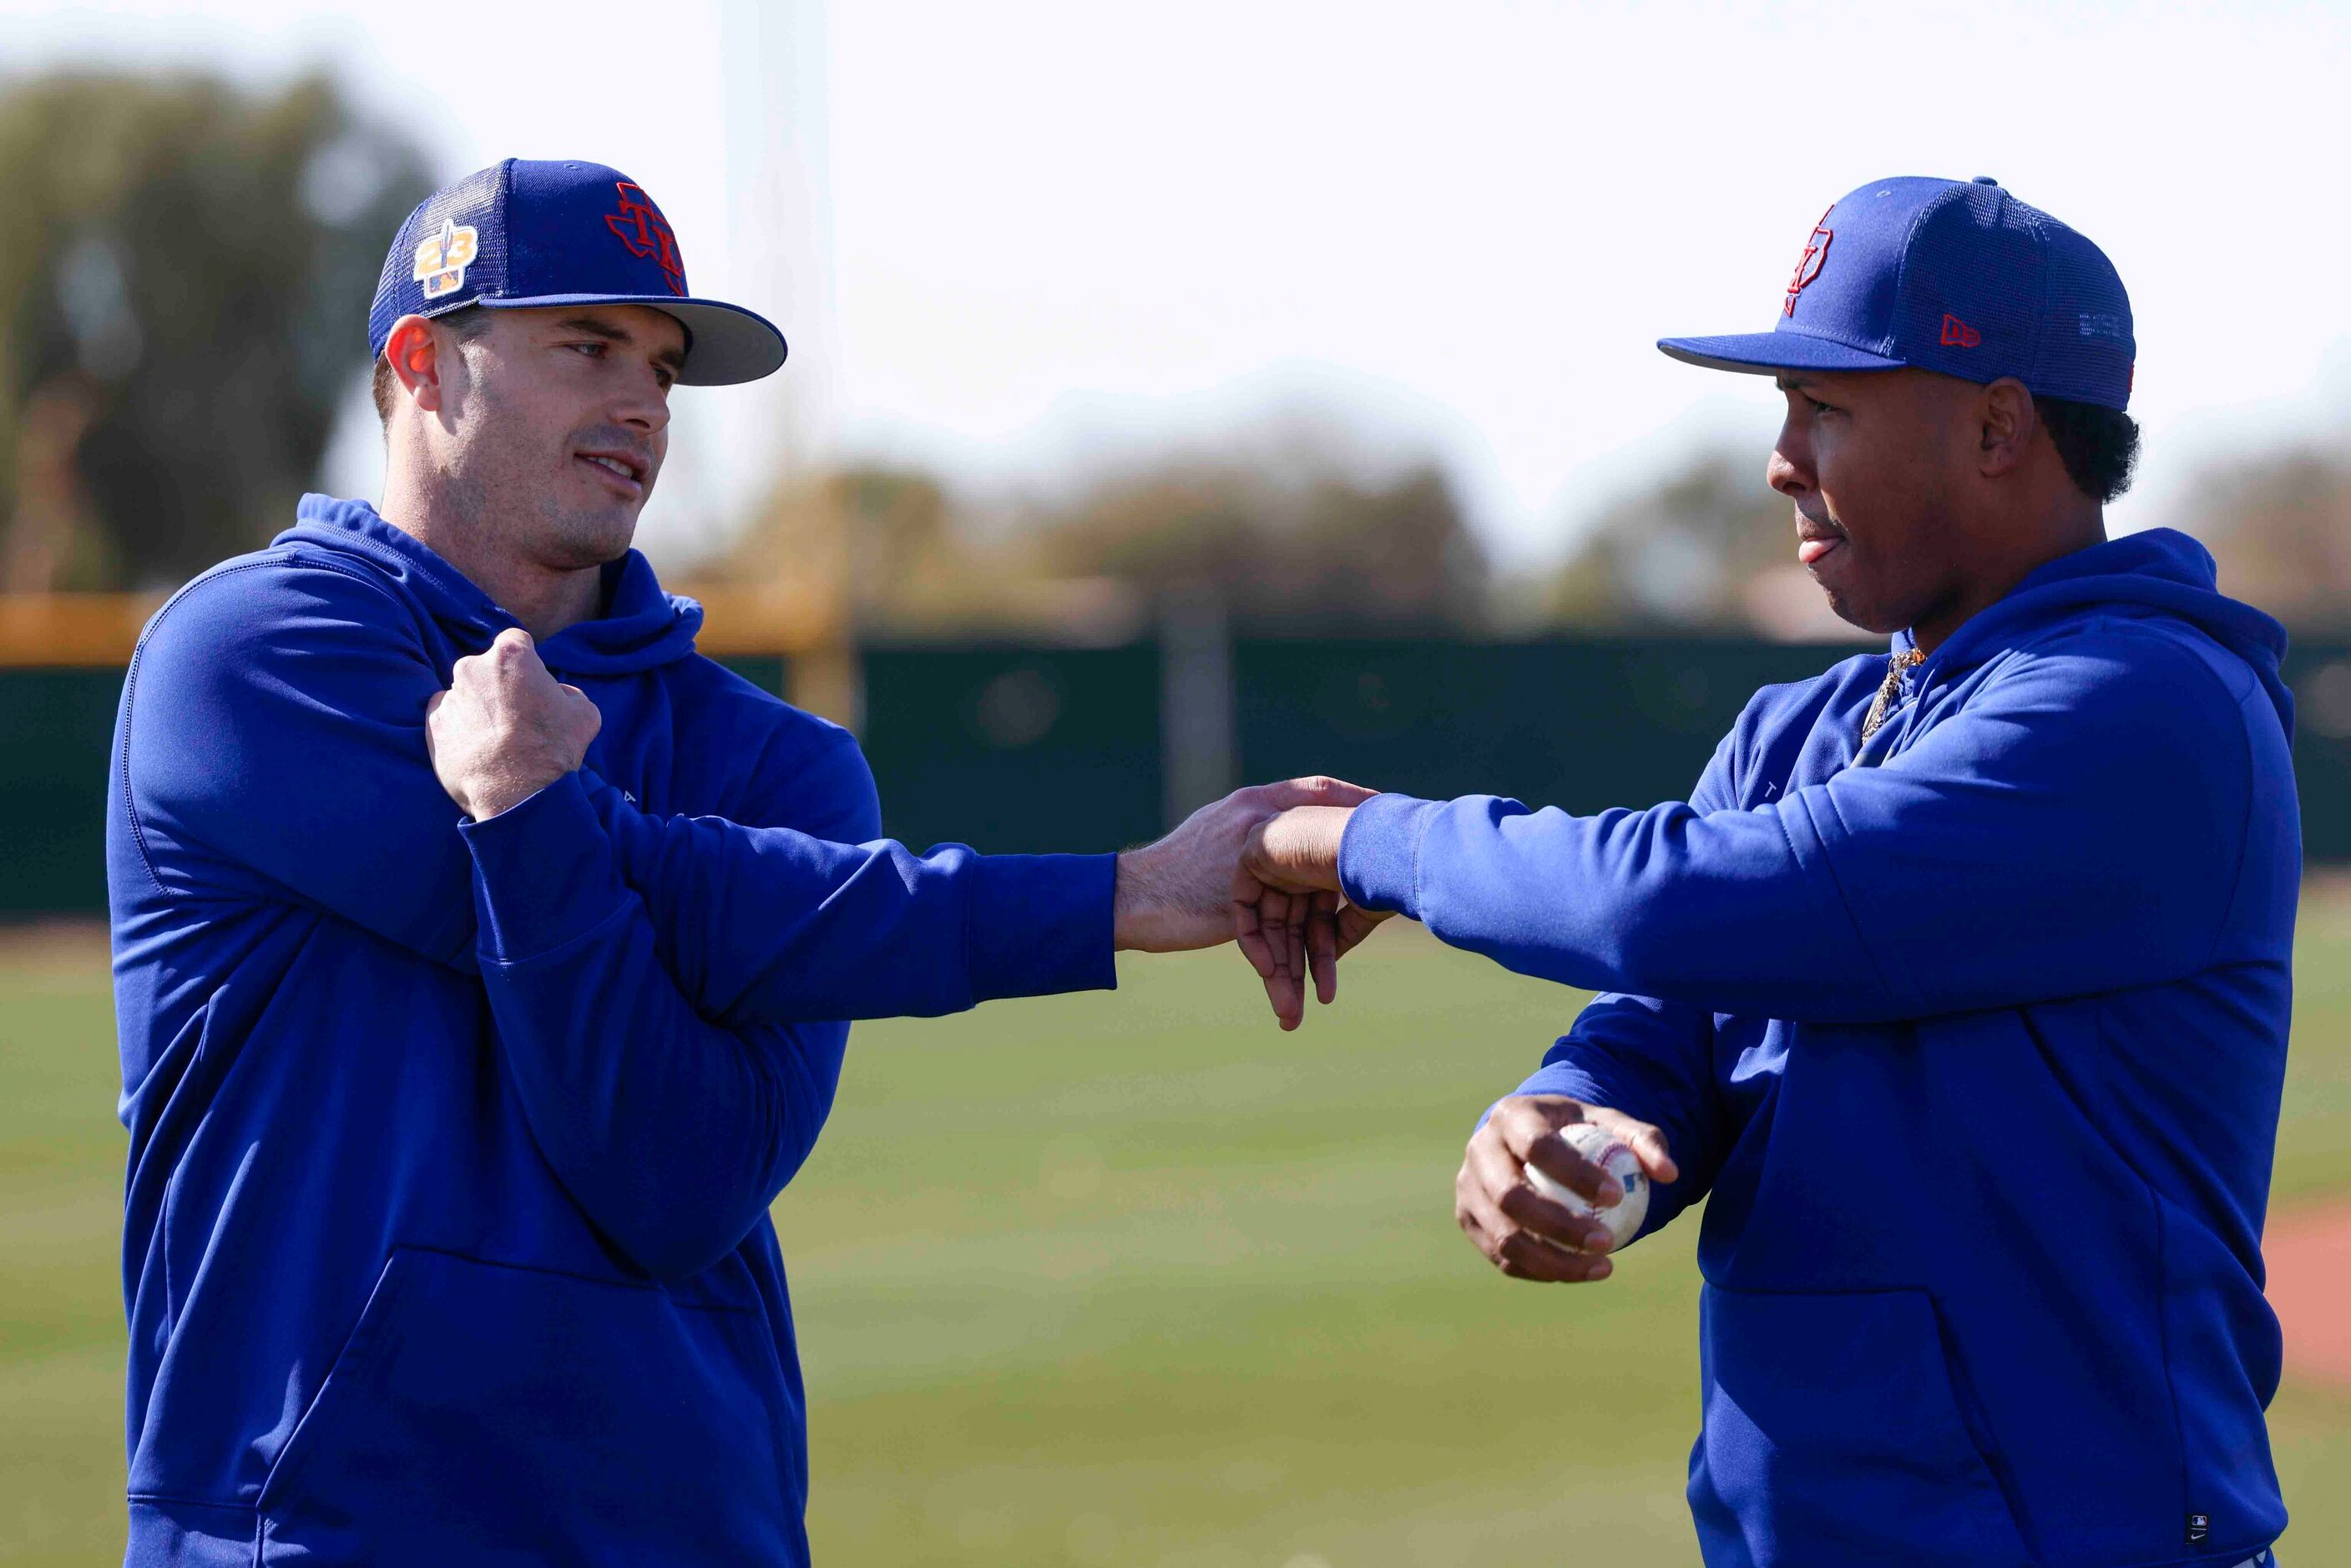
pixel 1615 1157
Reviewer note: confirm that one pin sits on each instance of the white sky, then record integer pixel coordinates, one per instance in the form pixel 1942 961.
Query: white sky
pixel 1056 229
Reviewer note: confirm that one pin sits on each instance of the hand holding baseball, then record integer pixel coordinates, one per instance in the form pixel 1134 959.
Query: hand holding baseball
pixel 1520 1232
pixel 505 729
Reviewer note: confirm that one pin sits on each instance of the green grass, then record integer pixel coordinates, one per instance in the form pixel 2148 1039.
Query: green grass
pixel 1124 1279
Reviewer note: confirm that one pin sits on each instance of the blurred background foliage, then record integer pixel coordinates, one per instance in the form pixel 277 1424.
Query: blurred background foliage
pixel 181 295
pixel 1285 541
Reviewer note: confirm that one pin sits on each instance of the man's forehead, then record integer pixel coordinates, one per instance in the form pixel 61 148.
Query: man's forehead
pixel 656 330
pixel 1824 381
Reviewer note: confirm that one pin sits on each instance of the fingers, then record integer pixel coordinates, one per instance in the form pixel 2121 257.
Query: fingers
pixel 1249 927
pixel 1645 1142
pixel 1282 917
pixel 1502 1179
pixel 1352 924
pixel 1525 1256
pixel 1529 1123
pixel 1522 1232
pixel 1519 1251
pixel 1313 791
pixel 513 644
pixel 1553 1155
pixel 1322 946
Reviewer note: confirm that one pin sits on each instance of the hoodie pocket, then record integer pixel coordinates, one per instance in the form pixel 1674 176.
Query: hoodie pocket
pixel 1832 1436
pixel 481 1409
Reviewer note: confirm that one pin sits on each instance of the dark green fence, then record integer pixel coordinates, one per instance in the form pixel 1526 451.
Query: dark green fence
pixel 1014 750
pixel 1021 749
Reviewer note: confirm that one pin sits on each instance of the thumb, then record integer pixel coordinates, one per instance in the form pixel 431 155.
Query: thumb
pixel 1644 1140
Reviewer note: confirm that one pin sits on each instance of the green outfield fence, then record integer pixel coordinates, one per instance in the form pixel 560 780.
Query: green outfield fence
pixel 1017 747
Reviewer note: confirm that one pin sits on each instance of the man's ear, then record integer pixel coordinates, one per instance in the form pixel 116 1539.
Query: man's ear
pixel 413 352
pixel 2006 412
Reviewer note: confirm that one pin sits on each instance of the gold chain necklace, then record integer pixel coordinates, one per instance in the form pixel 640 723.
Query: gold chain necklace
pixel 1890 689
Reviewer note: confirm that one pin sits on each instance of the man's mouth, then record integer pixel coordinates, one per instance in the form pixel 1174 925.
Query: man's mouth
pixel 624 472
pixel 1816 542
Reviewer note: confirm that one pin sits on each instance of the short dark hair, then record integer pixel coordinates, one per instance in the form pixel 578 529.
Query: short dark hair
pixel 2098 445
pixel 468 324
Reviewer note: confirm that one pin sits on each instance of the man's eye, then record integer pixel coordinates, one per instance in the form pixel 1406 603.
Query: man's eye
pixel 1820 407
pixel 594 350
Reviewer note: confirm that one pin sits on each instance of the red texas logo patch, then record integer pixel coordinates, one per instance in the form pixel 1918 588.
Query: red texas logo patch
pixel 641 229
pixel 1808 265
pixel 1957 332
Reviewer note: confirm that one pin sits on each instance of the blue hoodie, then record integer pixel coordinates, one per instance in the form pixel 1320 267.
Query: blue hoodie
pixel 1976 1035
pixel 451 1144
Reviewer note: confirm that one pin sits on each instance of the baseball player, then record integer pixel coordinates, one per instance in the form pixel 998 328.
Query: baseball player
pixel 1960 983
pixel 471 1019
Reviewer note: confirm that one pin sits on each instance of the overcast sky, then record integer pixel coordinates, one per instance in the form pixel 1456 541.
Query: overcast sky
pixel 1004 239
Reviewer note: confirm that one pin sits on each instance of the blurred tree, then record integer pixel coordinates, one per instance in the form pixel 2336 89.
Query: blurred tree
pixel 2280 526
pixel 182 305
pixel 1285 542
pixel 1276 541
pixel 1710 547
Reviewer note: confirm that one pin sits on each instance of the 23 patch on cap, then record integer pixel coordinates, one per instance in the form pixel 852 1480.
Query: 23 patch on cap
pixel 442 260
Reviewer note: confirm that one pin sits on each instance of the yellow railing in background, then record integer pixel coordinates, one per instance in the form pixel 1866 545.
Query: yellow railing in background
pixel 797 623
pixel 64 630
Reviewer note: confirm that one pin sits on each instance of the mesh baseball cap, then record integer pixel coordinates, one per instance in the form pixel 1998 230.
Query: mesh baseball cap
pixel 1957 277
pixel 521 235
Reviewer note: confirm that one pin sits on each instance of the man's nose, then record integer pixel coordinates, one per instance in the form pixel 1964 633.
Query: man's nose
pixel 644 407
pixel 1787 472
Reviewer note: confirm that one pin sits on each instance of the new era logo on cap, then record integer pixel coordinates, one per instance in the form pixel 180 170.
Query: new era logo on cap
pixel 1957 277
pixel 522 235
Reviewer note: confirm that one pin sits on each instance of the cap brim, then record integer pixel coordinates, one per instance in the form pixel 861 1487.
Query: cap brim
pixel 726 344
pixel 1761 353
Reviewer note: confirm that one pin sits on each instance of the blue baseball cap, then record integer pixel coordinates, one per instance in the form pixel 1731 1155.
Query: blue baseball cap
pixel 520 235
pixel 1956 276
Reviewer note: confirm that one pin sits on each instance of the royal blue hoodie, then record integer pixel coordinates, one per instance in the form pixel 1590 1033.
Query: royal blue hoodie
pixel 1975 1034
pixel 452 1143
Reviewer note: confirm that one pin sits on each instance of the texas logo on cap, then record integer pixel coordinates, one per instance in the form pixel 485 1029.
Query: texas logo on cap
pixel 641 229
pixel 1808 265
pixel 1952 275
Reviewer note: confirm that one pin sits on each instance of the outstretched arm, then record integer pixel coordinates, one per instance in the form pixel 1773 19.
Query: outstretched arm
pixel 774 925
pixel 2076 828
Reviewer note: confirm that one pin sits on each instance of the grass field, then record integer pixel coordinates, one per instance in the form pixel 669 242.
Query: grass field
pixel 1123 1279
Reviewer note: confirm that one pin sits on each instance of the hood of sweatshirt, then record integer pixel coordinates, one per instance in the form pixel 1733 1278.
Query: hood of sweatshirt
pixel 2162 570
pixel 639 627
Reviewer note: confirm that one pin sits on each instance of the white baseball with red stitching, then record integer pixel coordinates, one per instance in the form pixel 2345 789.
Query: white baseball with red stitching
pixel 1615 1157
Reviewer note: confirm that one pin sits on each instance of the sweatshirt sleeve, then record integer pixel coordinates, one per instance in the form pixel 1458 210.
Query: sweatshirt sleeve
pixel 1653 1060
pixel 273 746
pixel 2076 828
pixel 769 925
pixel 673 1132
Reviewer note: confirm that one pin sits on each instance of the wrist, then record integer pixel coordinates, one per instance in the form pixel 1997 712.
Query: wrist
pixel 1130 897
pixel 498 795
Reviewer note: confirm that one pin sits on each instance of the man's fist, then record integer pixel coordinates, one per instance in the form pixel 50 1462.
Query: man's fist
pixel 505 729
pixel 1523 1233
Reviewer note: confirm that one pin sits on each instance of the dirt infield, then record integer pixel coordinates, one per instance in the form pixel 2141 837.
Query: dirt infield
pixel 2309 1257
